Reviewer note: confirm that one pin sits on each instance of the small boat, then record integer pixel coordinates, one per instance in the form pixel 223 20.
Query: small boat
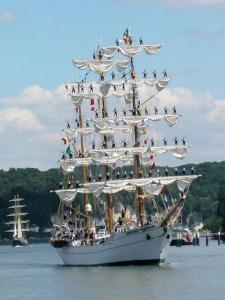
pixel 19 225
pixel 181 236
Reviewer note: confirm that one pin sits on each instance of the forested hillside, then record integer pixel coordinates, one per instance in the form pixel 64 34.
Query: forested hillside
pixel 34 186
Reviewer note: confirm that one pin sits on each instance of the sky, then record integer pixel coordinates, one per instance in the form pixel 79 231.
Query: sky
pixel 40 38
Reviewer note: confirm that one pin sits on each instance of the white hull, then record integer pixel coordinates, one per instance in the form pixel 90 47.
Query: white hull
pixel 145 245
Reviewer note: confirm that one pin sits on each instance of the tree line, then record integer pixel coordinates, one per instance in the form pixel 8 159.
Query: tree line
pixel 205 201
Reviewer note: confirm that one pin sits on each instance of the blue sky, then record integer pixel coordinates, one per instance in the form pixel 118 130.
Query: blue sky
pixel 39 39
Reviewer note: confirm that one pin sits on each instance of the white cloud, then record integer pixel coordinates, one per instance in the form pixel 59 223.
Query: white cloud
pixel 50 137
pixel 7 16
pixel 218 4
pixel 21 119
pixel 36 96
pixel 202 122
pixel 217 115
pixel 33 121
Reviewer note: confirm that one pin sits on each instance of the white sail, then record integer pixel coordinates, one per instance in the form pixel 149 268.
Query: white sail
pixel 130 50
pixel 126 155
pixel 182 181
pixel 66 195
pixel 121 88
pixel 21 221
pixel 16 200
pixel 15 229
pixel 17 214
pixel 140 120
pixel 15 232
pixel 101 66
pixel 19 229
pixel 17 206
pixel 177 151
pixel 106 130
pixel 152 186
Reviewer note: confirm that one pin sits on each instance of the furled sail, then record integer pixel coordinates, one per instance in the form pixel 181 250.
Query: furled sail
pixel 151 186
pixel 66 195
pixel 118 88
pixel 146 183
pixel 177 151
pixel 22 222
pixel 101 66
pixel 130 50
pixel 126 155
pixel 16 214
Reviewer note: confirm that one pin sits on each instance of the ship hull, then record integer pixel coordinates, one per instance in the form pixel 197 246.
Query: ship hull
pixel 16 243
pixel 143 246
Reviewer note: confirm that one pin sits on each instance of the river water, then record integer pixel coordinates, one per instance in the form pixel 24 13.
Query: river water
pixel 36 272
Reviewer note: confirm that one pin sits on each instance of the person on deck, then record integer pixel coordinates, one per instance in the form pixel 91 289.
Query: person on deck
pixel 174 110
pixel 164 73
pixel 145 74
pixel 165 110
pixel 115 112
pixel 146 111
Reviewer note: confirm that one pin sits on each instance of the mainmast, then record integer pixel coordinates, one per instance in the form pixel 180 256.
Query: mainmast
pixel 137 164
pixel 84 173
pixel 108 196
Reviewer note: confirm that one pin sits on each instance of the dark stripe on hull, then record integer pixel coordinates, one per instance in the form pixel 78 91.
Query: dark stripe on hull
pixel 178 242
pixel 17 243
pixel 125 263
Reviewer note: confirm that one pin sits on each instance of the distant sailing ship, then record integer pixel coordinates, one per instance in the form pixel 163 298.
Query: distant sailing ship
pixel 18 223
pixel 111 138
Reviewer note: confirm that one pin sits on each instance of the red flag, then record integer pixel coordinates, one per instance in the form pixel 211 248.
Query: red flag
pixel 92 101
pixel 92 108
pixel 64 141
pixel 162 191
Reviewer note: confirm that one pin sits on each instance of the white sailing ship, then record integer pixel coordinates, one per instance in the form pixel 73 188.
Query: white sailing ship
pixel 113 147
pixel 19 225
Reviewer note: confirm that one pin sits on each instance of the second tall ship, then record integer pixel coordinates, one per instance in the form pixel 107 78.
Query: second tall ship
pixel 19 224
pixel 115 152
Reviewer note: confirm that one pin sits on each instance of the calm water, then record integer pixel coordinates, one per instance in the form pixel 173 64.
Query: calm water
pixel 36 272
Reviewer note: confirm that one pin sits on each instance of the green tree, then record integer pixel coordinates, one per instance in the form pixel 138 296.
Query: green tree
pixel 221 206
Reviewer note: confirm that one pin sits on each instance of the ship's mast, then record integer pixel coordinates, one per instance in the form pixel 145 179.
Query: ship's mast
pixel 108 196
pixel 84 172
pixel 137 165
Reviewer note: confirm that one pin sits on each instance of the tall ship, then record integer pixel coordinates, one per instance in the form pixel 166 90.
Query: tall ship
pixel 18 223
pixel 109 161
